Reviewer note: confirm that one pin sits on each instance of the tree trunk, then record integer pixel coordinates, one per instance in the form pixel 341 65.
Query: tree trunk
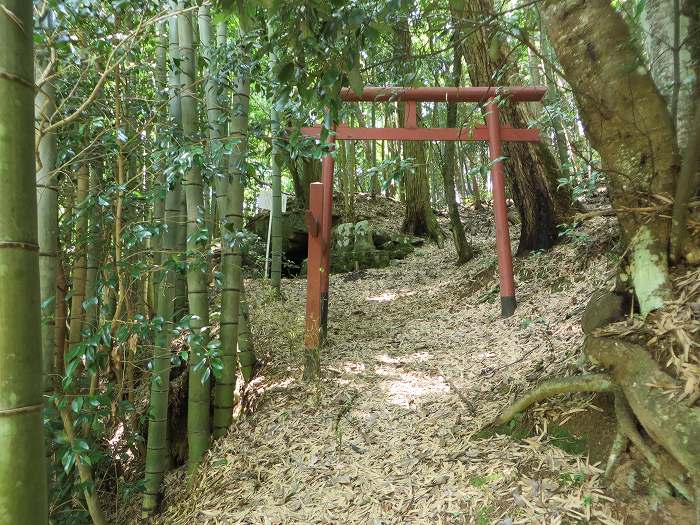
pixel 449 166
pixel 553 99
pixel 627 122
pixel 666 27
pixel 23 492
pixel 419 218
pixel 531 168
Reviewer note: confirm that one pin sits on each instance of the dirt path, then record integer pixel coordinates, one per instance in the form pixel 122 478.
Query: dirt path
pixel 417 362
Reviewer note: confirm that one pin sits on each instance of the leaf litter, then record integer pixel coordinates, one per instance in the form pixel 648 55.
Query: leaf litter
pixel 418 360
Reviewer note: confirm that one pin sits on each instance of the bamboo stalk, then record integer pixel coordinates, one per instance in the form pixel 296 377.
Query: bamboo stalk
pixel 157 453
pixel 198 399
pixel 47 208
pixel 23 491
pixel 276 212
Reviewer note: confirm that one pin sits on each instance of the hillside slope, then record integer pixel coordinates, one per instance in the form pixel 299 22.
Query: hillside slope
pixel 418 362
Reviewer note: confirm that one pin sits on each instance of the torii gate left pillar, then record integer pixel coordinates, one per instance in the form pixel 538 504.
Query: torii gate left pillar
pixel 321 198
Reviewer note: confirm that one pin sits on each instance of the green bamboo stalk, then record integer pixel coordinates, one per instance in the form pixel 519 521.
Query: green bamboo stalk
pixel 157 454
pixel 156 242
pixel 23 480
pixel 47 210
pixel 181 304
pixel 276 212
pixel 79 270
pixel 76 323
pixel 246 352
pixel 233 277
pixel 94 254
pixel 213 111
pixel 156 447
pixel 198 436
pixel 226 382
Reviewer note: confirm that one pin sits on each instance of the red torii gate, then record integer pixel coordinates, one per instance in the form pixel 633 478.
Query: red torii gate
pixel 319 214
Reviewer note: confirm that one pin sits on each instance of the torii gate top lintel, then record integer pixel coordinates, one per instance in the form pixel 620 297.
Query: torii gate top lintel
pixel 319 215
pixel 443 94
pixel 410 96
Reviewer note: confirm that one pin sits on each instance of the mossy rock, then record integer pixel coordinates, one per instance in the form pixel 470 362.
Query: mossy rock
pixel 358 246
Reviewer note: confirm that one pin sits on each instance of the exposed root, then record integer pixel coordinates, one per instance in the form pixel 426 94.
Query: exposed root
pixel 567 385
pixel 671 424
pixel 670 469
pixel 618 447
pixel 637 375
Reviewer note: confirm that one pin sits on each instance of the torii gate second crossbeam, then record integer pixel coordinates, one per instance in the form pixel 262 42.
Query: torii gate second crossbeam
pixel 319 214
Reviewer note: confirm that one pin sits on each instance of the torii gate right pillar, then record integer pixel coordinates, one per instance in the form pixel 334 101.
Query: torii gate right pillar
pixel 505 256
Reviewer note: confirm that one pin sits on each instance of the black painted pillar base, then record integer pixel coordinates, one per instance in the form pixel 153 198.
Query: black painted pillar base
pixel 324 316
pixel 508 305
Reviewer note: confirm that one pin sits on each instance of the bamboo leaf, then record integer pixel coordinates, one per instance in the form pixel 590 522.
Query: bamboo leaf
pixel 355 79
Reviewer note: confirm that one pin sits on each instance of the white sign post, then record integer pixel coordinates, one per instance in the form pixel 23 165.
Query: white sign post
pixel 264 202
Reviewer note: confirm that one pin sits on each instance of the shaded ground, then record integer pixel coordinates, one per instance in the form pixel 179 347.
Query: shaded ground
pixel 418 361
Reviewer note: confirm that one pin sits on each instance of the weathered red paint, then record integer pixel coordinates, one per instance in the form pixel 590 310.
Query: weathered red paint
pixel 479 133
pixel 319 220
pixel 444 94
pixel 505 257
pixel 314 218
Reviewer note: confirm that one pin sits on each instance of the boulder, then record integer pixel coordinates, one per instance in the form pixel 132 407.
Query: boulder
pixel 355 246
pixel 358 246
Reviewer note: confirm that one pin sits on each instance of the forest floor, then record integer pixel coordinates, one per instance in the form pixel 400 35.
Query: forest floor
pixel 417 363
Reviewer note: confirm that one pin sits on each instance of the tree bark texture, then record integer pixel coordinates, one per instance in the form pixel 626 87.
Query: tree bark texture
pixel 627 122
pixel 531 169
pixel 449 167
pixel 669 51
pixel 419 218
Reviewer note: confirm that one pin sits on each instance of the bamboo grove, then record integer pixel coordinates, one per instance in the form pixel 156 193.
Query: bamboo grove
pixel 152 131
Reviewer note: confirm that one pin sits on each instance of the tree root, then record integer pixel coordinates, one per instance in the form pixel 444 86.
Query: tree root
pixel 669 468
pixel 567 385
pixel 618 447
pixel 669 423
pixel 641 392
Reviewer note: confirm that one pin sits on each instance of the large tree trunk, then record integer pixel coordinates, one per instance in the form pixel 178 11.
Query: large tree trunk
pixel 531 169
pixel 627 122
pixel 304 171
pixel 671 61
pixel 419 219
